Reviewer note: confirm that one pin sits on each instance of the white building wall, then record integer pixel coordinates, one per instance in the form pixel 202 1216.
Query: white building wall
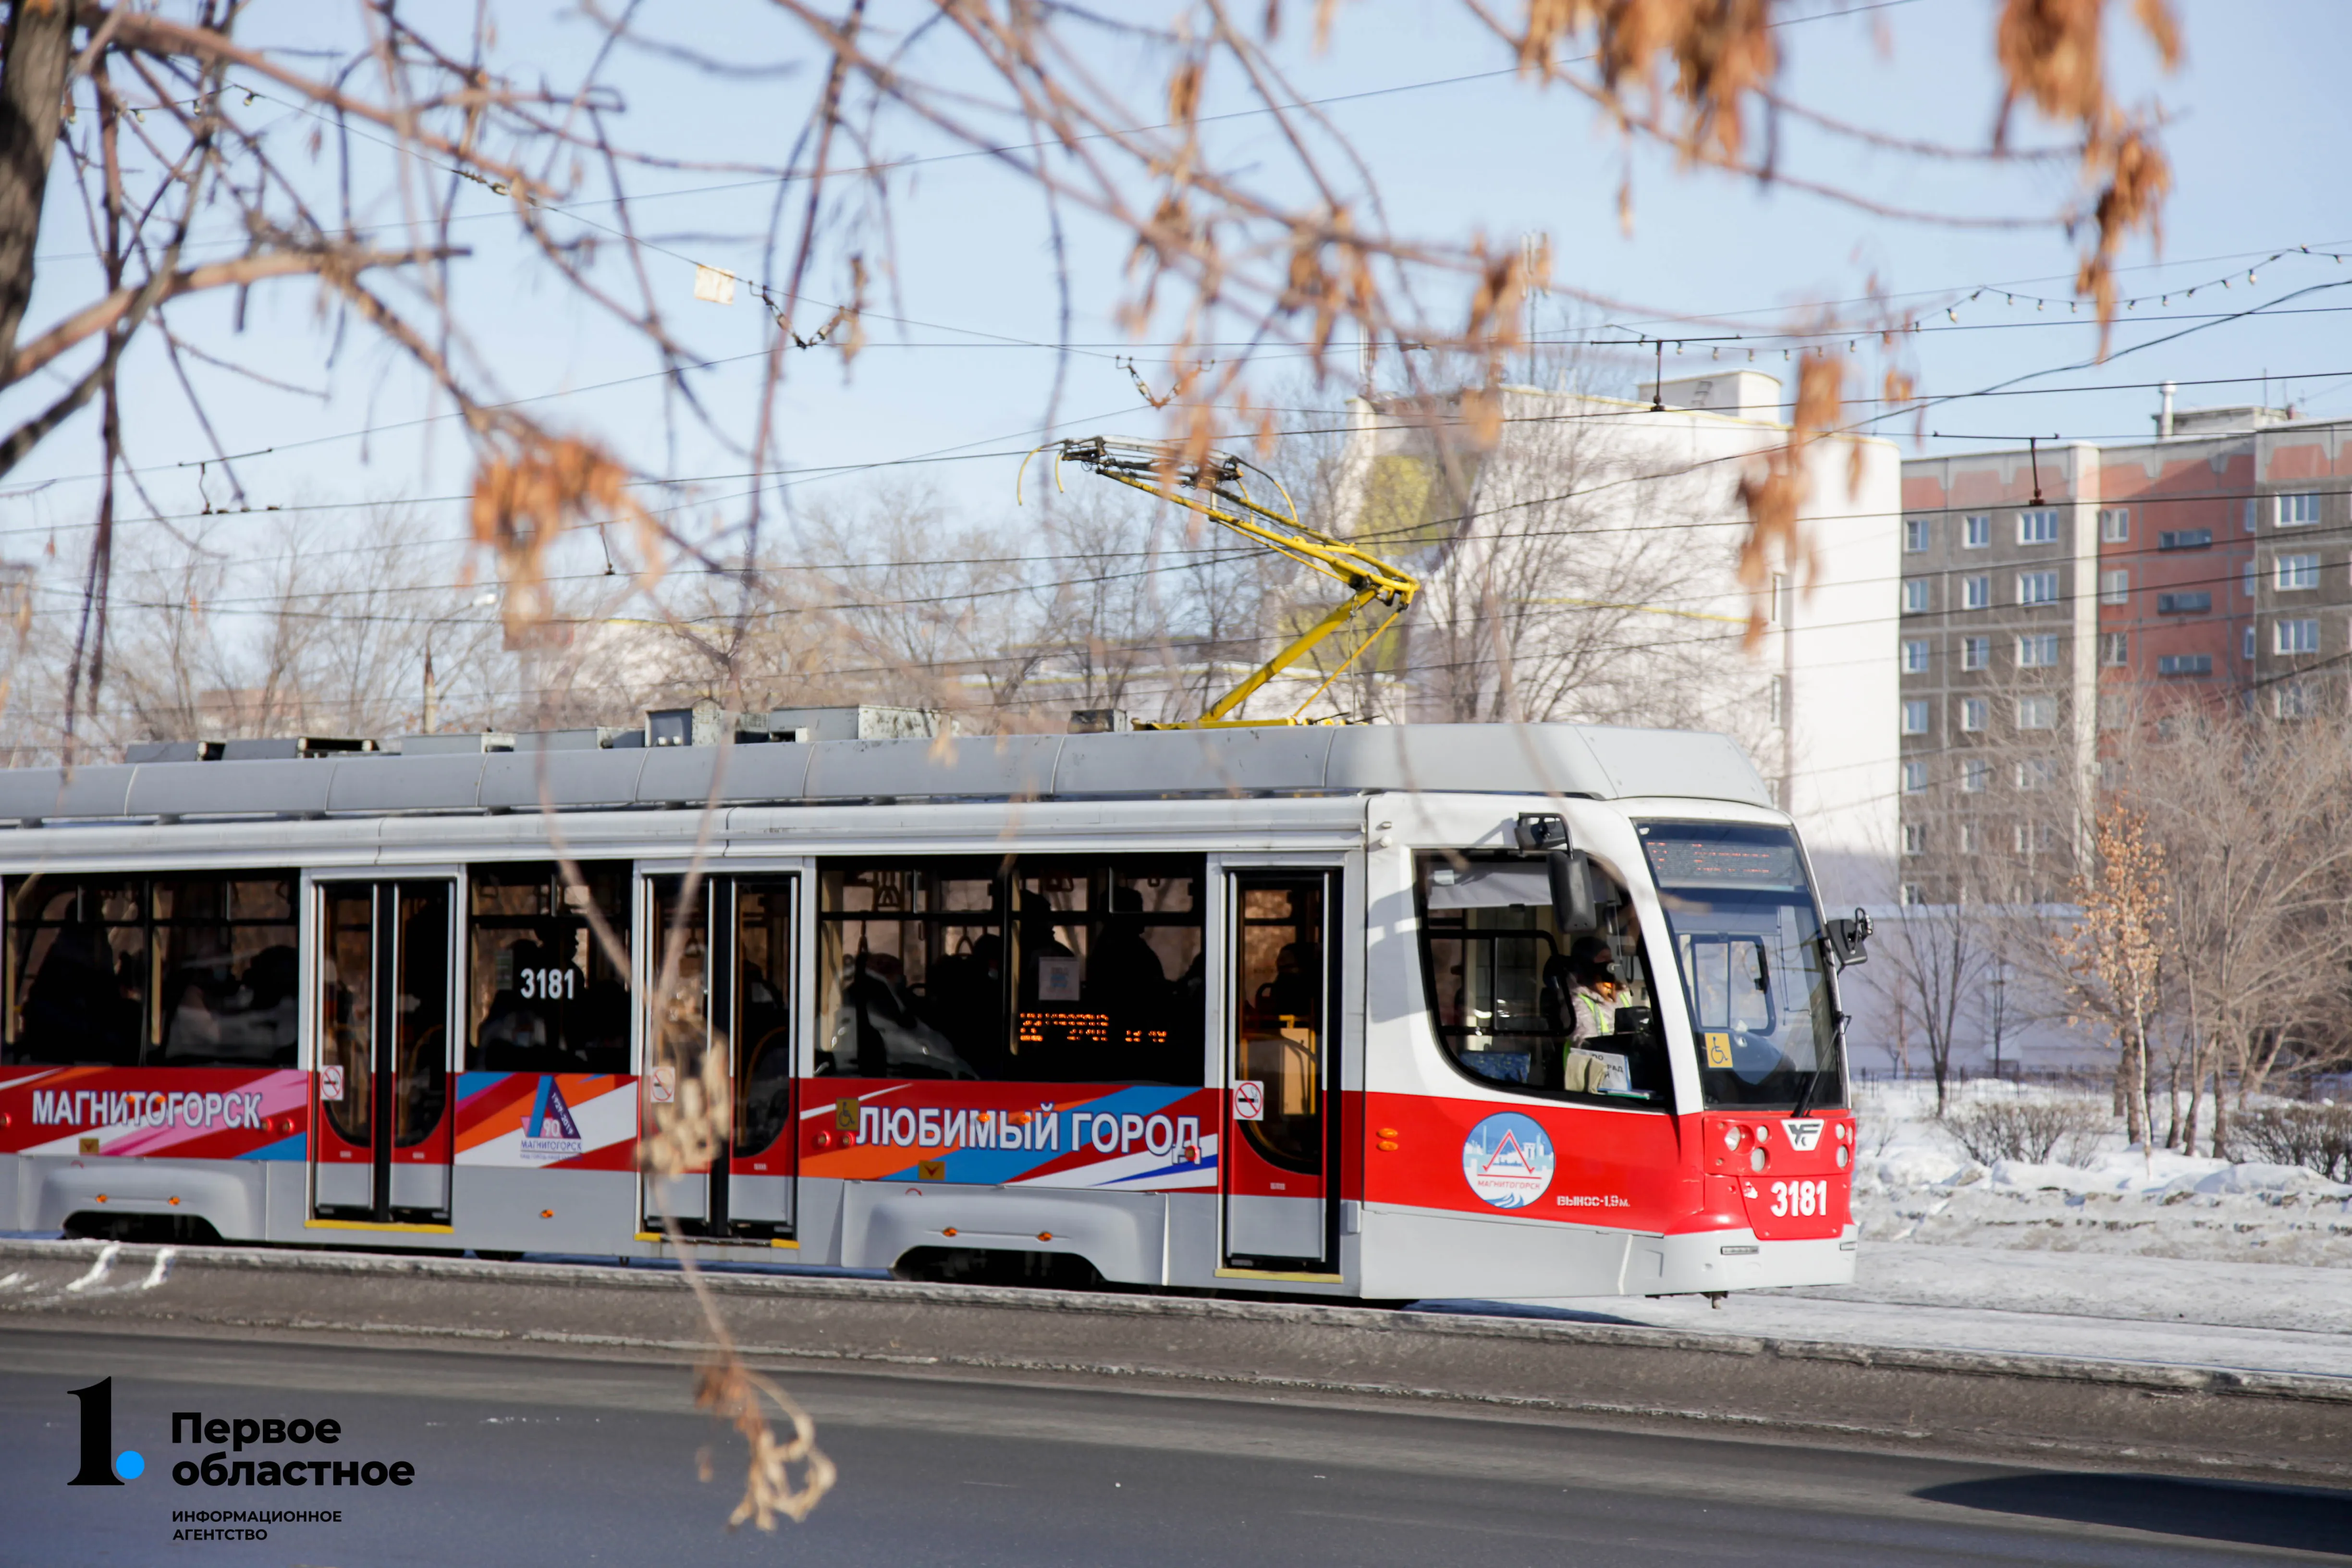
pixel 1671 479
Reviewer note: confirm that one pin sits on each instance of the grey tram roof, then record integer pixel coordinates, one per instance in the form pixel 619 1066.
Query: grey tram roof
pixel 1535 759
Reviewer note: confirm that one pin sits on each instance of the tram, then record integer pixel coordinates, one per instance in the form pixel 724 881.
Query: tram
pixel 1374 1012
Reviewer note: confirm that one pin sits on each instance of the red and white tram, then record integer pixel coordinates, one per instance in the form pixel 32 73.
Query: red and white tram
pixel 1312 1010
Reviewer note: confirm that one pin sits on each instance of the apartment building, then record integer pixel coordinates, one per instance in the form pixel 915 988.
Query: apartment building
pixel 2050 592
pixel 1997 650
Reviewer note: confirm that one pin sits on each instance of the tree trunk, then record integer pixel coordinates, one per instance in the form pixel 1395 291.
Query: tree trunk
pixel 2198 1054
pixel 2127 1098
pixel 2172 1104
pixel 2220 1116
pixel 33 64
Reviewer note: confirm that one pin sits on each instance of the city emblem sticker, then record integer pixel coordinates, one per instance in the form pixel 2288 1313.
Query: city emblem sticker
pixel 551 1133
pixel 1507 1160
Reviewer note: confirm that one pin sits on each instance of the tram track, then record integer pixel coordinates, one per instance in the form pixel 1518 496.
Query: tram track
pixel 2195 1420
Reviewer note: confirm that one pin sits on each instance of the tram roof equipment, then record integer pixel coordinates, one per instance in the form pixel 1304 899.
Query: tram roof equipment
pixel 1592 760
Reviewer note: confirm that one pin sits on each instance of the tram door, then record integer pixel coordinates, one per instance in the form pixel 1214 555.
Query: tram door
pixel 727 1072
pixel 1279 1170
pixel 383 1128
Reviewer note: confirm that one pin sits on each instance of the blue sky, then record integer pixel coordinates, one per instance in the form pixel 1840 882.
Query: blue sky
pixel 946 393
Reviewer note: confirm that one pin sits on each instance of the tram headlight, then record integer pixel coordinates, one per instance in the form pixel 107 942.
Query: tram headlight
pixel 1731 1135
pixel 1841 1157
pixel 1757 1158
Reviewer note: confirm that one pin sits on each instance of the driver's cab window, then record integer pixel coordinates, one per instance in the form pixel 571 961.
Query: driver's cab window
pixel 1517 1001
pixel 1731 982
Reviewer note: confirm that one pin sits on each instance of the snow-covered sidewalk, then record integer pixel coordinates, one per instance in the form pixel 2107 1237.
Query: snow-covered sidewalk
pixel 2177 1311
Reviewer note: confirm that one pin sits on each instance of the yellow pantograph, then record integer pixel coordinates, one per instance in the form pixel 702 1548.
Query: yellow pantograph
pixel 1213 486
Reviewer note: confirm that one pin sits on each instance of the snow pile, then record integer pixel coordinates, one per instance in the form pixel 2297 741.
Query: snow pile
pixel 1915 1184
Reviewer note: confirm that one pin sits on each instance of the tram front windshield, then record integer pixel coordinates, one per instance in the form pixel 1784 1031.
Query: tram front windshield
pixel 1748 939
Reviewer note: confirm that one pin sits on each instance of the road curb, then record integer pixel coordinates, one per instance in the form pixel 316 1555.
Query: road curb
pixel 2161 1376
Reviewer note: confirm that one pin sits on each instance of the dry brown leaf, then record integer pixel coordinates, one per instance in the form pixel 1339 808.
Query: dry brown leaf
pixel 525 499
pixel 2049 54
pixel 1777 489
pixel 738 1395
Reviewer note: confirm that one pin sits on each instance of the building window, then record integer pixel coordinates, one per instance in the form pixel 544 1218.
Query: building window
pixel 1915 535
pixel 1915 778
pixel 2037 712
pixel 2292 700
pixel 1974 711
pixel 1915 657
pixel 2036 773
pixel 1976 530
pixel 1915 716
pixel 2183 604
pixel 2114 587
pixel 2298 510
pixel 1910 894
pixel 1976 592
pixel 2039 651
pixel 2247 650
pixel 2037 528
pixel 2115 649
pixel 1780 702
pixel 2024 839
pixel 1915 838
pixel 1976 776
pixel 1976 653
pixel 2037 587
pixel 2185 664
pixel 2111 710
pixel 2251 505
pixel 2185 539
pixel 1968 837
pixel 2295 572
pixel 2115 525
pixel 2246 569
pixel 2295 636
pixel 1915 596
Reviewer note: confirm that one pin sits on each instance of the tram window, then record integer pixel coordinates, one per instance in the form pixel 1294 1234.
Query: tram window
pixel 683 1014
pixel 1763 1006
pixel 543 993
pixel 1280 980
pixel 763 1033
pixel 179 971
pixel 1506 986
pixel 1061 968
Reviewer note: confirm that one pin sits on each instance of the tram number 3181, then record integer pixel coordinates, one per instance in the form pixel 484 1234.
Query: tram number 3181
pixel 548 984
pixel 1800 1198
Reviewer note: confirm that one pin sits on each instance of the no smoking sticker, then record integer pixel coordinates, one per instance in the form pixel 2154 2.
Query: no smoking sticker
pixel 331 1083
pixel 1249 1100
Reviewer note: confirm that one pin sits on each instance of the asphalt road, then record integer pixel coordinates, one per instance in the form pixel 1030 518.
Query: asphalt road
pixel 523 1462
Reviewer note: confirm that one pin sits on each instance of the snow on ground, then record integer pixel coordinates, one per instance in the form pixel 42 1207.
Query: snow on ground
pixel 2132 1254
pixel 2265 1317
pixel 1914 1182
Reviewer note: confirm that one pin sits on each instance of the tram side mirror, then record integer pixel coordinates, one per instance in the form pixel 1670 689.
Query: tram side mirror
pixel 1571 890
pixel 1541 830
pixel 1850 939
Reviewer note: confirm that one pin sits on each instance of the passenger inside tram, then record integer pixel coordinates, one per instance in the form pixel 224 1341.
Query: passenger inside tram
pixel 545 996
pixel 1517 1001
pixel 1048 970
